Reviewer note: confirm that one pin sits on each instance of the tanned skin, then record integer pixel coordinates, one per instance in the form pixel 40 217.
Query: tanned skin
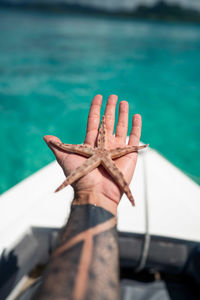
pixel 85 265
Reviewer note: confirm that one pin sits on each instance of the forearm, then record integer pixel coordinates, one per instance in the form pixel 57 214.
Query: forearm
pixel 85 265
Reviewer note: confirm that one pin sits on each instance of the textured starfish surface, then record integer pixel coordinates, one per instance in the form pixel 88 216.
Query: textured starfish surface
pixel 99 155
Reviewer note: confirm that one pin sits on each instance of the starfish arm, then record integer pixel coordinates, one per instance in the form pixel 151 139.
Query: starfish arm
pixel 84 150
pixel 101 140
pixel 90 164
pixel 118 152
pixel 117 175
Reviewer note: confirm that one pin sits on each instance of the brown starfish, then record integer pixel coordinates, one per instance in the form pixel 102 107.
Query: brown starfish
pixel 99 155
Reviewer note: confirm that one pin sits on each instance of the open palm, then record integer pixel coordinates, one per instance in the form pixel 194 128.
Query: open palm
pixel 99 181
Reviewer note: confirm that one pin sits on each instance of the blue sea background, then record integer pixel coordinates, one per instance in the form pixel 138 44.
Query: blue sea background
pixel 51 66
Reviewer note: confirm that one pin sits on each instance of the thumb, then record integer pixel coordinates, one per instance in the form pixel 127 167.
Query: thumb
pixel 58 153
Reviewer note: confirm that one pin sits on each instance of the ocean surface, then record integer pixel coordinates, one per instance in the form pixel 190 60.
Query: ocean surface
pixel 51 66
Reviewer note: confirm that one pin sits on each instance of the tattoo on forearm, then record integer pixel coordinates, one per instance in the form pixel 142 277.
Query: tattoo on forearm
pixel 85 265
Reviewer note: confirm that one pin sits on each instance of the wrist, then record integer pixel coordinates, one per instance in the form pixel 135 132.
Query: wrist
pixel 95 198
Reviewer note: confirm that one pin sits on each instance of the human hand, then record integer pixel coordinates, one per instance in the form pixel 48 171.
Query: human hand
pixel 98 181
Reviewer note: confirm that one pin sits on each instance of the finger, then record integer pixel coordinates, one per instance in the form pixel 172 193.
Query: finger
pixel 93 121
pixel 135 134
pixel 58 154
pixel 122 124
pixel 110 113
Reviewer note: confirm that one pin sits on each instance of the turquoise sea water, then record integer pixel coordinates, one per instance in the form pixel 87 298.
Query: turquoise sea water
pixel 52 65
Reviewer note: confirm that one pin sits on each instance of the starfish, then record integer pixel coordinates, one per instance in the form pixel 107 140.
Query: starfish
pixel 99 155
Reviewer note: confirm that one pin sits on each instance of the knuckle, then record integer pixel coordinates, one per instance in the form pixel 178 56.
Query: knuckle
pixel 122 124
pixel 135 135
